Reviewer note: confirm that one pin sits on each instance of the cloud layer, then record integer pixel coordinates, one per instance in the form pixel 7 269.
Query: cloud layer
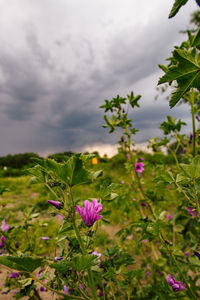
pixel 60 60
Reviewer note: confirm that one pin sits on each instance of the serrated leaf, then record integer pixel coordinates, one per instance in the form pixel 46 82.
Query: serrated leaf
pixel 25 282
pixel 192 170
pixel 78 263
pixel 196 39
pixel 26 264
pixel 107 191
pixel 194 261
pixel 181 177
pixel 186 71
pixel 176 6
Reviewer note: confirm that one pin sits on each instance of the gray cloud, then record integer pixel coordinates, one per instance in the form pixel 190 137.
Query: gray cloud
pixel 58 73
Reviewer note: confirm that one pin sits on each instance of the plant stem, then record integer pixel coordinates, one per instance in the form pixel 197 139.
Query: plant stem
pixel 193 123
pixel 84 251
pixel 175 157
pixel 190 292
pixel 196 199
pixel 54 291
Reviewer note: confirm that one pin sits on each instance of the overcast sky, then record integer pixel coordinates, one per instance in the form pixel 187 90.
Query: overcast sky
pixel 60 59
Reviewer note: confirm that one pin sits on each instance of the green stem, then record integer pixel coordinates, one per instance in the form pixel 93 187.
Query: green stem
pixel 193 124
pixel 90 276
pixel 175 157
pixel 36 295
pixel 84 251
pixel 190 292
pixel 50 289
pixel 196 199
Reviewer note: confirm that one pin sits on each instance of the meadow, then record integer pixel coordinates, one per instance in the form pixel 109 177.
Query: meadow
pixel 79 226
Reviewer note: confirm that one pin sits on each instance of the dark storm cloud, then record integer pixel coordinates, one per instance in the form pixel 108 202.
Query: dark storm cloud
pixel 51 85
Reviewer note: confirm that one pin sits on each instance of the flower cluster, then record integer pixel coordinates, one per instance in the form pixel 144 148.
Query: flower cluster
pixel 89 212
pixel 176 285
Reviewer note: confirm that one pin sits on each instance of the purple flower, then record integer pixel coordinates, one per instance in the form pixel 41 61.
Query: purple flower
pixel 17 245
pixel 97 254
pixel 191 211
pixel 160 272
pixel 2 251
pixel 143 241
pixel 143 204
pixel 4 226
pixel 101 294
pixel 58 258
pixel 89 212
pixel 147 273
pixel 57 204
pixel 176 285
pixel 43 289
pixel 127 155
pixel 139 167
pixel 14 275
pixel 5 292
pixel 81 286
pixel 196 254
pixel 131 236
pixel 60 217
pixel 190 139
pixel 66 289
pixel 3 239
pixel 198 118
pixel 169 216
pixel 141 158
pixel 186 254
pixel 122 181
pixel 45 238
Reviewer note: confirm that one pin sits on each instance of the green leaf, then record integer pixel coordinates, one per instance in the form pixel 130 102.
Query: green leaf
pixel 196 39
pixel 185 70
pixel 165 179
pixel 72 172
pixel 78 263
pixel 25 282
pixel 107 192
pixel 26 263
pixel 192 170
pixel 78 174
pixel 134 100
pixel 177 5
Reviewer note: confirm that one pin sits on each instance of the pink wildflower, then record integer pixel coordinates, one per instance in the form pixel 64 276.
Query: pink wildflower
pixel 186 254
pixel 97 254
pixel 139 167
pixel 4 226
pixel 3 239
pixel 191 211
pixel 60 217
pixel 14 274
pixel 89 212
pixel 176 285
pixel 169 216
pixel 57 204
pixel 66 289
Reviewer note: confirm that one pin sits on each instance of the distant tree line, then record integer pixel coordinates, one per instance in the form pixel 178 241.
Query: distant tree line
pixel 26 160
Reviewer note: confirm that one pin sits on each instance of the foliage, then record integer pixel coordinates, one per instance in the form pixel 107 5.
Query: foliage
pixel 145 243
